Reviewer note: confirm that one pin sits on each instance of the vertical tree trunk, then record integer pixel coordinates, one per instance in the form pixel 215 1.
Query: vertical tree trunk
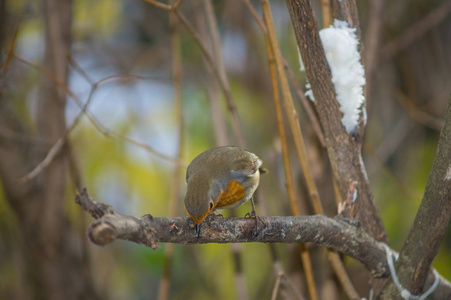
pixel 56 269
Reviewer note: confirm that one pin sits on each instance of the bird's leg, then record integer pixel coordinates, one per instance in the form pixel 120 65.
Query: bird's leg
pixel 198 230
pixel 214 216
pixel 252 214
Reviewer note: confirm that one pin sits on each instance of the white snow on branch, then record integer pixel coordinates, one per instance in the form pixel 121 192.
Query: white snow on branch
pixel 348 76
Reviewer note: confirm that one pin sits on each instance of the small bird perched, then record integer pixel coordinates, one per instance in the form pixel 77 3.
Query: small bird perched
pixel 222 177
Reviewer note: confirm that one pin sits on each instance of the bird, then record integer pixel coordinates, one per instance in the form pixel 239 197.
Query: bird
pixel 221 177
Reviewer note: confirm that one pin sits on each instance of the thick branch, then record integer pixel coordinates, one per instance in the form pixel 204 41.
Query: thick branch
pixel 332 233
pixel 430 223
pixel 148 230
pixel 344 149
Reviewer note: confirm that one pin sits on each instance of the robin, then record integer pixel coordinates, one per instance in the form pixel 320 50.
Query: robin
pixel 222 177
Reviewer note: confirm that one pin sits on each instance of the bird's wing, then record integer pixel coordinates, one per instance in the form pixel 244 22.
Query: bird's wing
pixel 245 165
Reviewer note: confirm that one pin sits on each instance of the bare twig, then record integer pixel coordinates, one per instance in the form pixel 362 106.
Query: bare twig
pixel 417 30
pixel 222 83
pixel 300 147
pixel 311 115
pixel 94 87
pixel 159 4
pixel 207 24
pixel 294 201
pixel 417 114
pixel 275 290
pixel 174 202
pixel 257 18
pixel 326 13
pixel 10 54
pixel 373 41
pixel 306 105
pixel 276 58
pixel 342 276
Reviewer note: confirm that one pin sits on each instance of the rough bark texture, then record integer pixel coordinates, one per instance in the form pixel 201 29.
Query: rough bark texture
pixel 337 234
pixel 346 10
pixel 431 221
pixel 54 262
pixel 344 149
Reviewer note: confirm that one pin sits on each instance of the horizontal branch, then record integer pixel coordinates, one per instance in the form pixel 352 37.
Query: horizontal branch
pixel 333 233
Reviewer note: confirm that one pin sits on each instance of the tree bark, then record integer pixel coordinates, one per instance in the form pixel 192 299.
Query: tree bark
pixel 337 234
pixel 431 221
pixel 344 149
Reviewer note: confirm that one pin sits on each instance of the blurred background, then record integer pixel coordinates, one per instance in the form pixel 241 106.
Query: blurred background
pixel 119 58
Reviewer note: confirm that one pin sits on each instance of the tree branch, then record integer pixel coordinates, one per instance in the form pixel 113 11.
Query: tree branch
pixel 431 221
pixel 344 149
pixel 334 233
pixel 149 230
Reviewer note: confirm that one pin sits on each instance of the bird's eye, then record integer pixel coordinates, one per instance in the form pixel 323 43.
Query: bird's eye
pixel 211 204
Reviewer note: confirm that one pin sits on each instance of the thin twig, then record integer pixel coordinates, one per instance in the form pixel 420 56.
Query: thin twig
pixel 257 18
pixel 241 287
pixel 159 4
pixel 224 87
pixel 373 41
pixel 340 271
pixel 299 143
pixel 207 20
pixel 326 13
pixel 177 4
pixel 95 123
pixel 294 201
pixel 54 150
pixel 80 71
pixel 10 55
pixel 409 192
pixel 417 114
pixel 417 30
pixel 174 202
pixel 310 113
pixel 275 62
pixel 275 290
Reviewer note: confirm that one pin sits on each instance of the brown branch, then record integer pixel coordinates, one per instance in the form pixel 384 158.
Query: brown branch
pixel 326 13
pixel 276 64
pixel 311 115
pixel 417 114
pixel 208 31
pixel 321 230
pixel 223 84
pixel 222 79
pixel 346 10
pixel 174 201
pixel 343 148
pixel 292 196
pixel 417 30
pixel 373 41
pixel 308 109
pixel 318 229
pixel 94 86
pixel 431 221
pixel 10 54
pixel 275 290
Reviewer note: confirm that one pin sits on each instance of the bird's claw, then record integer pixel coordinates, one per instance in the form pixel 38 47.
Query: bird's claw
pixel 251 214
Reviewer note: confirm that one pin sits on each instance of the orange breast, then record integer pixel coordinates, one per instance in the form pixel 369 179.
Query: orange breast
pixel 234 193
